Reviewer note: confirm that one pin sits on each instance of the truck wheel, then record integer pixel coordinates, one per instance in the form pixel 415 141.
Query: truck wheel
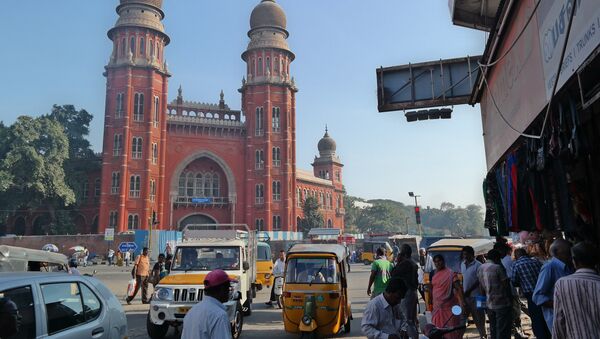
pixel 238 322
pixel 156 331
pixel 247 308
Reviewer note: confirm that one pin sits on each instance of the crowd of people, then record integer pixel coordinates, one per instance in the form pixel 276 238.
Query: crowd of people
pixel 561 292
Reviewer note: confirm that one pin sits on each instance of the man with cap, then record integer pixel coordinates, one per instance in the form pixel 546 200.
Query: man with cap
pixel 208 318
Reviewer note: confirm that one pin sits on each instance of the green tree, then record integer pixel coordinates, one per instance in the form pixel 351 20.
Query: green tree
pixel 81 161
pixel 312 216
pixel 35 150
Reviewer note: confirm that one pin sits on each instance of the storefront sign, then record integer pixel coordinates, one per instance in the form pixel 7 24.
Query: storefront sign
pixel 515 86
pixel 553 18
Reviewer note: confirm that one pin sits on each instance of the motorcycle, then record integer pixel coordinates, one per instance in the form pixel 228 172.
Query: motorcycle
pixel 278 290
pixel 433 332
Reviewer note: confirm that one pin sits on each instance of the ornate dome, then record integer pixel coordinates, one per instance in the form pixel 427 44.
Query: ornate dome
pixel 326 145
pixel 268 14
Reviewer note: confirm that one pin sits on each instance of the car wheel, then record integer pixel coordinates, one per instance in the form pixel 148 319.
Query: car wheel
pixel 238 322
pixel 156 331
pixel 247 308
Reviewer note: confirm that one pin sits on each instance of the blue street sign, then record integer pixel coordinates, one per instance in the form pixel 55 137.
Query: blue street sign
pixel 127 246
pixel 201 200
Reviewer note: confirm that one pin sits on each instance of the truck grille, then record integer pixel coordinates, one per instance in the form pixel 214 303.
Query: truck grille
pixel 188 294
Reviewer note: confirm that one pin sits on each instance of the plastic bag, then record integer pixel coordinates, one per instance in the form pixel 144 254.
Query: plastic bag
pixel 131 287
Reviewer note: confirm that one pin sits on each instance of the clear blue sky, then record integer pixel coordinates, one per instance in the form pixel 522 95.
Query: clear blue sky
pixel 54 53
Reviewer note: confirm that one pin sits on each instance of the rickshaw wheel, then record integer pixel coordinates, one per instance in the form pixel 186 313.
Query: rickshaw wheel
pixel 347 327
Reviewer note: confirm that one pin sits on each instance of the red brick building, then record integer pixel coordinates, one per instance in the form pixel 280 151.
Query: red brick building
pixel 188 162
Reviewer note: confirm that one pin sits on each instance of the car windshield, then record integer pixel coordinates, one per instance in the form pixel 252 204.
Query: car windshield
pixel 206 258
pixel 312 270
pixel 452 258
pixel 264 253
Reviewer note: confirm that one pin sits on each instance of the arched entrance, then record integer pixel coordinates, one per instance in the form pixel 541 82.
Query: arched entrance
pixel 196 219
pixel 19 226
pixel 40 224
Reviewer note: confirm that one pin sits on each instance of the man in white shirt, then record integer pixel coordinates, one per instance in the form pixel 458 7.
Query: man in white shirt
pixel 208 319
pixel 278 270
pixel 382 318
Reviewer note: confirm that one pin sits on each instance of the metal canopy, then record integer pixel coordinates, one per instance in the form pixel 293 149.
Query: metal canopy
pixel 428 84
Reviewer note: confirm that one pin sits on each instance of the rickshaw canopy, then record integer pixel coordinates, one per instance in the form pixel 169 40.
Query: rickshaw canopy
pixel 338 251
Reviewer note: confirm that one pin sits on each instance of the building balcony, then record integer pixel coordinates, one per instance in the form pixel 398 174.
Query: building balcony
pixel 204 202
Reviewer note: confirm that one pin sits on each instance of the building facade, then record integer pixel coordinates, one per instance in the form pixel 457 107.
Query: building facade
pixel 169 164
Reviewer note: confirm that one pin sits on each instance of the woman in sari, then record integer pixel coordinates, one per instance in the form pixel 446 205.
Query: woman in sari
pixel 447 292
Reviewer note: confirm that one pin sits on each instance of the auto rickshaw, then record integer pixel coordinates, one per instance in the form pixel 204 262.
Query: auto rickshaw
pixel 264 266
pixel 19 259
pixel 370 247
pixel 451 249
pixel 315 291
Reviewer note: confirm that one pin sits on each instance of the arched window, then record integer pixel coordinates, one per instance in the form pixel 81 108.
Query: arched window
pixel 132 46
pixel 259 159
pixel 152 190
pixel 275 122
pixel 268 65
pixel 260 225
pixel 276 156
pixel 260 194
pixel 97 187
pixel 157 51
pixel 260 66
pixel 151 44
pixel 329 223
pixel 199 185
pixel 208 185
pixel 154 153
pixel 298 197
pixel 136 148
pixel 216 185
pixel 123 46
pixel 253 71
pixel 156 111
pixel 142 46
pixel 133 222
pixel 118 145
pixel 113 219
pixel 189 184
pixel 115 183
pixel 276 223
pixel 276 66
pixel 181 190
pixel 259 122
pixel 276 190
pixel 138 107
pixel 135 183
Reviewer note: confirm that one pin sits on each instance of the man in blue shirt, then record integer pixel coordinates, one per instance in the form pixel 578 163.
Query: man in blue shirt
pixel 556 268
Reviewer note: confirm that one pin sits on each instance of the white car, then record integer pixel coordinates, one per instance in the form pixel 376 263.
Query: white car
pixel 60 305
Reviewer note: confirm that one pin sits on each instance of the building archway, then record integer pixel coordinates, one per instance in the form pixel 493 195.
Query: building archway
pixel 229 176
pixel 40 224
pixel 95 225
pixel 196 218
pixel 19 226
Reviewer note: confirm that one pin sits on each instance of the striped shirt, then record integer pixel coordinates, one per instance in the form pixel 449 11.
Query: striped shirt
pixel 577 306
pixel 525 272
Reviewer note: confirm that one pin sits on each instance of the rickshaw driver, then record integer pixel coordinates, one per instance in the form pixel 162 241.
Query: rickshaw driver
pixel 311 274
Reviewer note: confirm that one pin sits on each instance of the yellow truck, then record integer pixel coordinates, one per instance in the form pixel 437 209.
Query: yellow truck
pixel 230 247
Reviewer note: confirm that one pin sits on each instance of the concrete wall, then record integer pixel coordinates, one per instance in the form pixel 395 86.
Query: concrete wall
pixel 94 242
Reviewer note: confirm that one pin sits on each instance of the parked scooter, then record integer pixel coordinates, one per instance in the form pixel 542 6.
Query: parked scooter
pixel 433 332
pixel 278 290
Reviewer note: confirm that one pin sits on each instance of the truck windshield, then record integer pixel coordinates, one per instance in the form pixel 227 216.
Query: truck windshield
pixel 206 258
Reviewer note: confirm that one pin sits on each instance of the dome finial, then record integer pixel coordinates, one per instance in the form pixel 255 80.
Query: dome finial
pixel 326 130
